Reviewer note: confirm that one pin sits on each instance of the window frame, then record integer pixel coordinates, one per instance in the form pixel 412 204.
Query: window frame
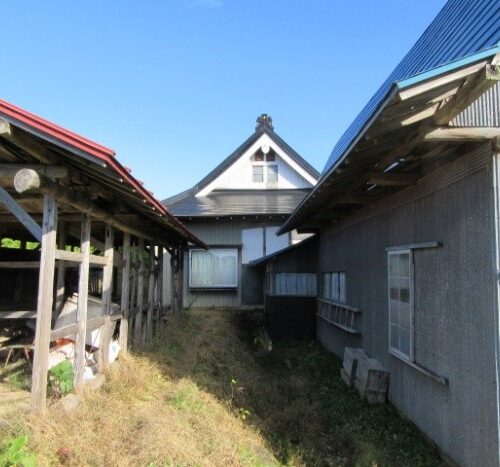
pixel 411 304
pixel 262 174
pixel 268 172
pixel 340 283
pixel 218 286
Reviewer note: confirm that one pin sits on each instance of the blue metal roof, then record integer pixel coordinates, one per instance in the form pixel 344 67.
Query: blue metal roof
pixel 463 31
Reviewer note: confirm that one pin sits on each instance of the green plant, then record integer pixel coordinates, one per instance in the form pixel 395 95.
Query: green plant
pixel 61 378
pixel 15 453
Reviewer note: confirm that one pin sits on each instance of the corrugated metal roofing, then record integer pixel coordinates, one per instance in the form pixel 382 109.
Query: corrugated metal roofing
pixel 463 28
pixel 238 203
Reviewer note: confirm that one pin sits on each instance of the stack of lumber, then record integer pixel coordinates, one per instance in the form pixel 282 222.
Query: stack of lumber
pixel 366 374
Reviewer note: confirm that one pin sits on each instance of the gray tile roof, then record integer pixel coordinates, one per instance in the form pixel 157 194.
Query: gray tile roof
pixel 237 203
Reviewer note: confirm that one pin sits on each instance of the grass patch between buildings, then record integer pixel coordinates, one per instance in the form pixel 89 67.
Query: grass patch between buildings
pixel 208 395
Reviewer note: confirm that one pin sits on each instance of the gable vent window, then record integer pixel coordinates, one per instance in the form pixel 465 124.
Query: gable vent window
pixel 270 156
pixel 259 156
pixel 258 173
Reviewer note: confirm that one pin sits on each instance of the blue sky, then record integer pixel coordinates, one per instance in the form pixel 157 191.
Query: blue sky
pixel 174 86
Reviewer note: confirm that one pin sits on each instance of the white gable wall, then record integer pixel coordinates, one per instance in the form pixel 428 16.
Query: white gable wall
pixel 239 175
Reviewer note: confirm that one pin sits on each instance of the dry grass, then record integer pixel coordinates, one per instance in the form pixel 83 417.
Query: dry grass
pixel 141 417
pixel 208 395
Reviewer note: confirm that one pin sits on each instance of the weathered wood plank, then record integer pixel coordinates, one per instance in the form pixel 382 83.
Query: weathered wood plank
pixel 151 291
pixel 125 293
pixel 81 309
pixel 27 179
pixel 462 134
pixel 107 289
pixel 44 305
pixel 388 179
pixel 51 171
pixel 15 208
pixel 140 294
pixel 468 93
pixel 61 270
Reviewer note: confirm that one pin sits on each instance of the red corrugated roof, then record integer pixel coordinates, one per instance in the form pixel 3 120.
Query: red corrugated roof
pixel 83 144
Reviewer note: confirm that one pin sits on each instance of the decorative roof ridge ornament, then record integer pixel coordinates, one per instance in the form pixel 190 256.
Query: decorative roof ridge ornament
pixel 264 121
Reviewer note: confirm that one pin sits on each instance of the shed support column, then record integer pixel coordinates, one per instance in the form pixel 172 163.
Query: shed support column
pixel 159 292
pixel 81 307
pixel 61 271
pixel 151 291
pixel 107 289
pixel 44 304
pixel 133 292
pixel 177 261
pixel 140 294
pixel 125 294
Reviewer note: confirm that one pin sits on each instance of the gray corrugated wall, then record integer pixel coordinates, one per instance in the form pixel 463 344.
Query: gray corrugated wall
pixel 454 304
pixel 250 286
pixel 484 112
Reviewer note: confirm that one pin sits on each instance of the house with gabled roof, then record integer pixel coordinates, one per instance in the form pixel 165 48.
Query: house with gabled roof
pixel 237 209
pixel 406 214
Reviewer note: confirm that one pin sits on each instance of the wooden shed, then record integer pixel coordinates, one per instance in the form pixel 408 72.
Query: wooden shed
pixel 81 224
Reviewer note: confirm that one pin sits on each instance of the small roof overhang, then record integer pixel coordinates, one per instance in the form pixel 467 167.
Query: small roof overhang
pixel 413 131
pixel 92 172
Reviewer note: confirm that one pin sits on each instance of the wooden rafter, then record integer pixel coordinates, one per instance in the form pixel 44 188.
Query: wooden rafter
pixel 389 179
pixel 474 87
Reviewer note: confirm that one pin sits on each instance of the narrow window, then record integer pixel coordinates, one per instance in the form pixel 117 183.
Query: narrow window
pixel 258 173
pixel 400 284
pixel 334 286
pixel 272 173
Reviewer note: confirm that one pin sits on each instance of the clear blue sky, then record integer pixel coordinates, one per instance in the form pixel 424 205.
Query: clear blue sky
pixel 173 86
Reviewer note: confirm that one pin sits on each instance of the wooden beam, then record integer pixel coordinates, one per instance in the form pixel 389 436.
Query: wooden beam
pixel 107 288
pixel 4 127
pixel 388 179
pixel 140 294
pixel 8 171
pixel 460 134
pixel 125 293
pixel 44 305
pixel 24 218
pixel 355 199
pixel 430 84
pixel 27 179
pixel 473 88
pixel 30 146
pixel 81 307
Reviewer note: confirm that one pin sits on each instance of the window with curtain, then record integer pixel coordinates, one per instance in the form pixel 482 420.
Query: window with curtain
pixel 213 268
pixel 400 273
pixel 334 286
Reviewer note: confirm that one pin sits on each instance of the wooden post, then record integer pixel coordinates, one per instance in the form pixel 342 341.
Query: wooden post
pixel 107 289
pixel 177 280
pixel 159 291
pixel 140 295
pixel 61 271
pixel 81 307
pixel 125 293
pixel 44 304
pixel 133 292
pixel 151 292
